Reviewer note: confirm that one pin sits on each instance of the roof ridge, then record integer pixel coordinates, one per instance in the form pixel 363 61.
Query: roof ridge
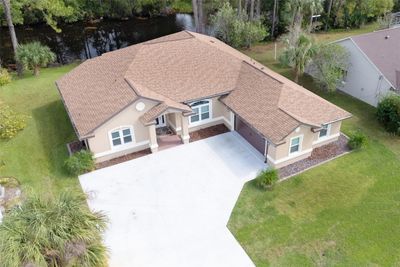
pixel 155 41
pixel 377 31
pixel 262 70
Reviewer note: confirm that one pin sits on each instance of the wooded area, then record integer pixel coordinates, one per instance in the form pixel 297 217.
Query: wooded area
pixel 276 14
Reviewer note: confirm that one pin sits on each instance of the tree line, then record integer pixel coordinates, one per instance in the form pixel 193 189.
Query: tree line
pixel 253 19
pixel 277 14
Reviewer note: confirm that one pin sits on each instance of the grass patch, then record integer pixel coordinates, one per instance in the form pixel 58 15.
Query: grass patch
pixel 343 213
pixel 36 155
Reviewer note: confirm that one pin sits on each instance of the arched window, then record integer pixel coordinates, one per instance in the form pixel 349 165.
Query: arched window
pixel 121 136
pixel 202 110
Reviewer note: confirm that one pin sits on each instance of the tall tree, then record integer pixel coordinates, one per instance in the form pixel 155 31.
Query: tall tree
pixel 198 12
pixel 274 18
pixel 258 9
pixel 328 14
pixel 314 7
pixel 13 35
pixel 251 10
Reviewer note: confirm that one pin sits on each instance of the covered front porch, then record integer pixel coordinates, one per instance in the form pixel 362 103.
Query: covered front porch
pixel 168 130
pixel 167 140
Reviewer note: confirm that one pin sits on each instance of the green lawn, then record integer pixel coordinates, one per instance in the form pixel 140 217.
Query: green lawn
pixel 37 154
pixel 343 213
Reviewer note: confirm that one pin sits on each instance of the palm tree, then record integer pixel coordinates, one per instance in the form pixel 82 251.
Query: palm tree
pixel 53 232
pixel 300 48
pixel 34 55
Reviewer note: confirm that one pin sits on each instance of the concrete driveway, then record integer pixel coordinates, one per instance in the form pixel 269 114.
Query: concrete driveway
pixel 171 208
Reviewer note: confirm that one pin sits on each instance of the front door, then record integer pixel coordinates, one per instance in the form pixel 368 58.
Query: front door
pixel 160 121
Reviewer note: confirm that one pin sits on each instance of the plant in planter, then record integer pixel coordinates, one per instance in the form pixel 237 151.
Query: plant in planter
pixel 266 179
pixel 80 162
pixel 357 140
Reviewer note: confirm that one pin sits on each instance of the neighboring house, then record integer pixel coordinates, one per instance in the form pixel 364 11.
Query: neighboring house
pixel 190 81
pixel 374 65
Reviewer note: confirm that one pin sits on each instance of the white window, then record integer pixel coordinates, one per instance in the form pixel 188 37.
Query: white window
pixel 202 110
pixel 121 136
pixel 295 145
pixel 325 131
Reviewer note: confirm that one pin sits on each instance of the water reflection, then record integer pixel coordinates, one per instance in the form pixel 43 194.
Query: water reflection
pixel 83 40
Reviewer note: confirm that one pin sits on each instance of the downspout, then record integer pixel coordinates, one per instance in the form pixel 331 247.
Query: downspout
pixel 266 151
pixel 378 87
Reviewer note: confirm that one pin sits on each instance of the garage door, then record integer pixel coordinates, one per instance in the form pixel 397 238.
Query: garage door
pixel 250 135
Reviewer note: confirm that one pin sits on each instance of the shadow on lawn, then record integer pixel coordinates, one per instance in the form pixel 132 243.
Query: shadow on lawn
pixel 54 132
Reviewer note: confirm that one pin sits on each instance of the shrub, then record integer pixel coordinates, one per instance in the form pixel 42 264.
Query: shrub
pixel 388 113
pixel 237 31
pixel 34 55
pixel 80 162
pixel 267 178
pixel 357 140
pixel 5 77
pixel 10 122
pixel 53 231
pixel 329 65
pixel 181 6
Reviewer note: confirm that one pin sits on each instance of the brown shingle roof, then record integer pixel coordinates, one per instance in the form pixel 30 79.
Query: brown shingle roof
pixel 96 90
pixel 186 66
pixel 383 49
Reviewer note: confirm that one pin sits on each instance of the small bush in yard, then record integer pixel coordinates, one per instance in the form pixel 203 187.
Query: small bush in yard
pixel 10 122
pixel 5 77
pixel 80 162
pixel 357 140
pixel 267 178
pixel 388 113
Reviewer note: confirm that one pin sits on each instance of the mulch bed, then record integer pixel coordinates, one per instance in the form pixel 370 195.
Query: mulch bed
pixel 208 132
pixel 319 155
pixel 124 158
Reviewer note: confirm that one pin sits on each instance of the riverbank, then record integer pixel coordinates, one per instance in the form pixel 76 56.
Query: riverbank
pixel 83 40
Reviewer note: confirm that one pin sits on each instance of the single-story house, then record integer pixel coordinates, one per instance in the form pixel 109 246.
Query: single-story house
pixel 189 81
pixel 374 69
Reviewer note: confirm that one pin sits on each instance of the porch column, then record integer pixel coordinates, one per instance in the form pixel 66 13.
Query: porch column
pixel 185 129
pixel 153 138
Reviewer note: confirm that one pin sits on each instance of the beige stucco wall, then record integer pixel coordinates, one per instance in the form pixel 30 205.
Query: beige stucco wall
pixel 100 143
pixel 335 130
pixel 310 140
pixel 174 121
pixel 220 114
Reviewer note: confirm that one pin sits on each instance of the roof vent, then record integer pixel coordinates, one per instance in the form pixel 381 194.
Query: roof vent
pixel 387 37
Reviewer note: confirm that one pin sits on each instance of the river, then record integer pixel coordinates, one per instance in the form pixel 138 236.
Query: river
pixel 84 40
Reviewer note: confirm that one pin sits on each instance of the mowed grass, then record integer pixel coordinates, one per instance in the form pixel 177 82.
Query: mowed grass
pixel 36 155
pixel 343 213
